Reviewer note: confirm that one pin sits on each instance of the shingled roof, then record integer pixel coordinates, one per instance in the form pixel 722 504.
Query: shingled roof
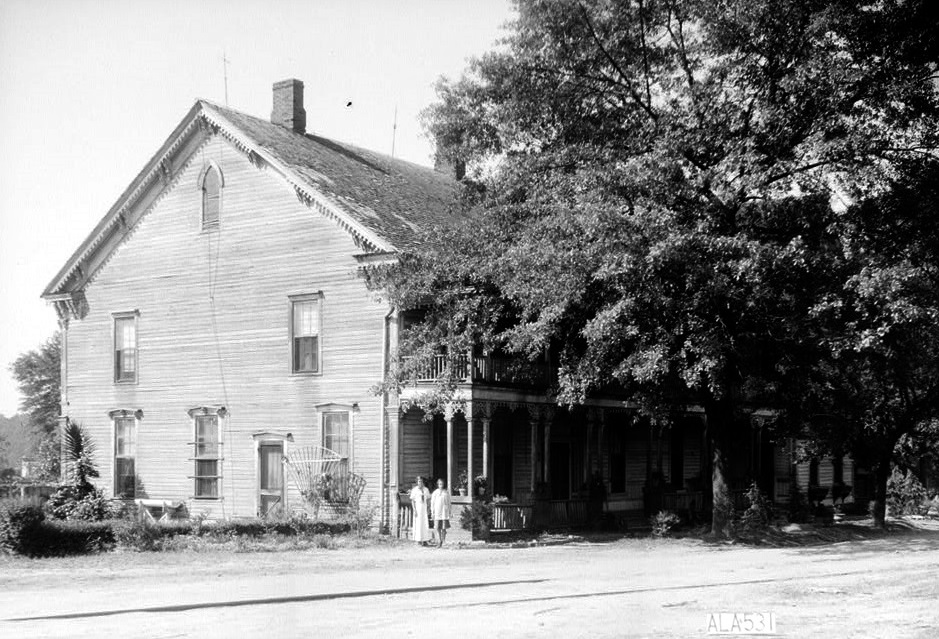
pixel 392 197
pixel 382 201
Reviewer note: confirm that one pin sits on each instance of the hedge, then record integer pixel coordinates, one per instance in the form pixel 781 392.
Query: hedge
pixel 24 530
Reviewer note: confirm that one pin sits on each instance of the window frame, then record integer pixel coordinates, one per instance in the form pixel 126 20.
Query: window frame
pixel 203 176
pixel 292 301
pixel 350 411
pixel 116 416
pixel 117 318
pixel 219 414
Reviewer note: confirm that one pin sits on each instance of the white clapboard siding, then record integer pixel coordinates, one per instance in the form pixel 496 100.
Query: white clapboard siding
pixel 213 330
pixel 417 450
pixel 521 461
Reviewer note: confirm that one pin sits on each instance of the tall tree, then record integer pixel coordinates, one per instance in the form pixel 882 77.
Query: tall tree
pixel 878 382
pixel 655 181
pixel 37 373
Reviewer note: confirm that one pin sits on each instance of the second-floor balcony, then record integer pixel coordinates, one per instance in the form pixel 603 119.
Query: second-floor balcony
pixel 488 369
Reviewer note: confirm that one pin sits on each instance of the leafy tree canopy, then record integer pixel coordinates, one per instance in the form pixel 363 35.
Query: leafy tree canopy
pixel 37 373
pixel 669 192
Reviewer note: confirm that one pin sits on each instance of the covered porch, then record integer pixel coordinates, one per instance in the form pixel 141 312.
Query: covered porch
pixel 554 468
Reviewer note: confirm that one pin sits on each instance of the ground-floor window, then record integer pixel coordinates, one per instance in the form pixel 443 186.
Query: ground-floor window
pixel 336 432
pixel 125 453
pixel 207 452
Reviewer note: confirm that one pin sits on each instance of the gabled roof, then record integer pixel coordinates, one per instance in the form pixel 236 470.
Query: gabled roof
pixel 381 201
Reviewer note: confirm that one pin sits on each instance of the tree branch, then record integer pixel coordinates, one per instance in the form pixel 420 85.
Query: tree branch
pixel 609 58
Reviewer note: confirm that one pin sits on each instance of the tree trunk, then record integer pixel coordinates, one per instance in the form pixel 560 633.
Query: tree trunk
pixel 719 419
pixel 881 476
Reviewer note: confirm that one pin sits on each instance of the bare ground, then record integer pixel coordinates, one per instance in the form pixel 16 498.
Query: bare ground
pixel 846 581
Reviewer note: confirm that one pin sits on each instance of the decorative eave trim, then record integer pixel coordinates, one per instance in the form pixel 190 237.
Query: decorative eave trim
pixel 312 197
pixel 383 257
pixel 202 118
pixel 69 305
pixel 160 167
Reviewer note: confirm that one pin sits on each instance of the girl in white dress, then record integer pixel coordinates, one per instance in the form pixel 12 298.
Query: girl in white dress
pixel 420 503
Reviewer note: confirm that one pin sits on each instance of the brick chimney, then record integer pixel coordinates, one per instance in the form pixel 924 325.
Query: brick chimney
pixel 288 106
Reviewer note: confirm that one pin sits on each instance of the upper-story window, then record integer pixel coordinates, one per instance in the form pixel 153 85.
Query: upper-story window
pixel 125 347
pixel 305 323
pixel 211 185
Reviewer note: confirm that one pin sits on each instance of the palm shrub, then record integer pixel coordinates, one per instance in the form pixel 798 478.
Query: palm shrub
pixel 77 497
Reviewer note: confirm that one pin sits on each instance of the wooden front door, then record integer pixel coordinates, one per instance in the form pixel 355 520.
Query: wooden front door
pixel 270 477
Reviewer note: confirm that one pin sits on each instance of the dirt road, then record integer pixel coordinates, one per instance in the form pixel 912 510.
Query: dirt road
pixel 876 588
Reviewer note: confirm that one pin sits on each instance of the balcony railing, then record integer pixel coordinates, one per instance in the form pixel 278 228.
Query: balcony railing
pixel 500 371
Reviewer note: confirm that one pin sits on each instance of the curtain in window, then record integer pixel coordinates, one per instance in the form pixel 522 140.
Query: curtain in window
pixel 125 453
pixel 306 328
pixel 125 342
pixel 336 432
pixel 206 453
pixel 272 476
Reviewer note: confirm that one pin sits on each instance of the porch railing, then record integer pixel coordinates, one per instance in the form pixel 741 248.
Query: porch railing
pixel 485 369
pixel 508 516
pixel 568 512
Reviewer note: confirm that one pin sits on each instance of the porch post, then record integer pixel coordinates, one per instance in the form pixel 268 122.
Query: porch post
pixel 601 440
pixel 533 421
pixel 468 413
pixel 591 418
pixel 486 419
pixel 547 449
pixel 394 421
pixel 448 417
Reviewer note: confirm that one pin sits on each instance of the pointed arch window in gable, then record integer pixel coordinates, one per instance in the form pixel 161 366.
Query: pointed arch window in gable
pixel 211 196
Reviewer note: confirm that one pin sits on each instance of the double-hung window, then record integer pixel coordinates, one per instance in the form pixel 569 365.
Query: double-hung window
pixel 305 326
pixel 125 348
pixel 336 432
pixel 125 453
pixel 206 455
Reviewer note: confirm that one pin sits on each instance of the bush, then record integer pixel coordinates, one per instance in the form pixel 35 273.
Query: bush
pixel 76 537
pixel 905 495
pixel 141 535
pixel 360 517
pixel 19 523
pixel 757 517
pixel 663 522
pixel 299 525
pixel 477 518
pixel 76 502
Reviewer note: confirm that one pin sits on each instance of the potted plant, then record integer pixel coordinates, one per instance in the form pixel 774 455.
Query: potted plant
pixel 481 484
pixel 461 482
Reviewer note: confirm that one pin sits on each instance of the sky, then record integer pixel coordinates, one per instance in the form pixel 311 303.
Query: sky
pixel 90 89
